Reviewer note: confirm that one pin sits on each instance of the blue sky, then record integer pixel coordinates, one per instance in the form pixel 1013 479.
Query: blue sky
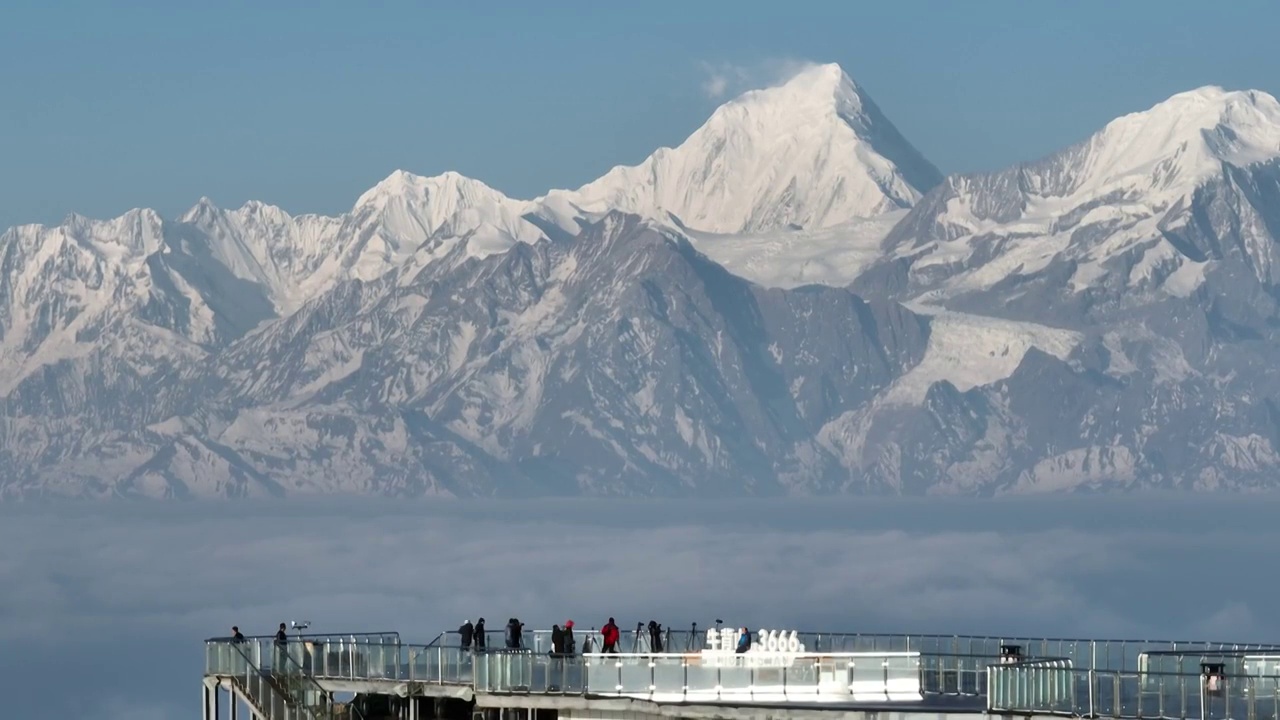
pixel 108 106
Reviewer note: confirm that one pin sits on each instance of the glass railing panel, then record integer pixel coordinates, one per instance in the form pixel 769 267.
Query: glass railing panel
pixel 424 663
pixel 668 675
pixel 768 681
pixel 517 671
pixel 224 658
pixel 902 675
pixel 562 674
pixel 504 671
pixel 602 675
pixel 456 665
pixel 801 678
pixel 488 671
pixel 635 676
pixel 734 680
pixel 538 672
pixel 702 679
pixel 866 676
pixel 480 671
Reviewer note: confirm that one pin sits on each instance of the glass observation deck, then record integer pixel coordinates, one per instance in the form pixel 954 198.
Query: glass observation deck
pixel 1081 678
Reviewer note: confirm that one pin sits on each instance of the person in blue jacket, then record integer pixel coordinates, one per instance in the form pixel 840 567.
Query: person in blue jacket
pixel 744 641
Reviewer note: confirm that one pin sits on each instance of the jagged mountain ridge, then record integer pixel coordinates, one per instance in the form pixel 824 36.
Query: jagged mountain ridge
pixel 1152 243
pixel 615 363
pixel 441 338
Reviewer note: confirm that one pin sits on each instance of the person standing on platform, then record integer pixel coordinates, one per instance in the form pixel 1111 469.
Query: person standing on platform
pixel 513 634
pixel 570 645
pixel 479 635
pixel 467 631
pixel 557 659
pixel 282 649
pixel 610 634
pixel 744 641
pixel 655 637
pixel 236 635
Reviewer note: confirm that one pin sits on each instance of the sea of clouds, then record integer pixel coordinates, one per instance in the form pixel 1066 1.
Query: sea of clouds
pixel 105 605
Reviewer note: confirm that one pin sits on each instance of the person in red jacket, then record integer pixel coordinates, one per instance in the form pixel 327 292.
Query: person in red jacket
pixel 610 635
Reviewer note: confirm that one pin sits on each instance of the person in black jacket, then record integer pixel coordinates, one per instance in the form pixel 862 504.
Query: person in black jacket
pixel 282 649
pixel 557 659
pixel 513 634
pixel 467 631
pixel 570 644
pixel 655 637
pixel 479 635
pixel 236 635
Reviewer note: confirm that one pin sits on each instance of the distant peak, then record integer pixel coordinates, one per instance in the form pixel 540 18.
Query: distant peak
pixel 203 208
pixel 1212 101
pixel 813 151
pixel 402 183
pixel 821 76
pixel 1202 127
pixel 826 86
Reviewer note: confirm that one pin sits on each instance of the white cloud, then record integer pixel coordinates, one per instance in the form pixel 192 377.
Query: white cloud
pixel 130 584
pixel 719 78
pixel 725 79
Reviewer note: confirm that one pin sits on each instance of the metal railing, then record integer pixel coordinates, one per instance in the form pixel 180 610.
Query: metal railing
pixel 1129 695
pixel 1094 678
pixel 280 694
pixel 1084 653
pixel 1042 685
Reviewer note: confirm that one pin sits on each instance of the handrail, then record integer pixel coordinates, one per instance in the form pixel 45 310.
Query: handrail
pixel 261 685
pixel 1049 689
pixel 1089 679
pixel 499 633
pixel 296 672
pixel 305 636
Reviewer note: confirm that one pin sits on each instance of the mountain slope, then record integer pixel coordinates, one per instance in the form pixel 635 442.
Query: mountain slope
pixel 617 362
pixel 1141 265
pixel 1123 209
pixel 813 152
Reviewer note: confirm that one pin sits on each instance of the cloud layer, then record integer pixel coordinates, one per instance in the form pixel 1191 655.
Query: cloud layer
pixel 106 589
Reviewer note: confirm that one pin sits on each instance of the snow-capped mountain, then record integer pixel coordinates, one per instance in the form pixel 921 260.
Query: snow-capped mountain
pixel 1126 292
pixel 1121 209
pixel 297 258
pixel 1102 318
pixel 810 153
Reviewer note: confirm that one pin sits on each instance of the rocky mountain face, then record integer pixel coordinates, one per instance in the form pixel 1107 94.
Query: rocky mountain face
pixel 1100 319
pixel 1152 244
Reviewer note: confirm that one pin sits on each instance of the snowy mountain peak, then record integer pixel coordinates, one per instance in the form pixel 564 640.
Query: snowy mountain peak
pixel 816 88
pixel 450 189
pixel 812 152
pixel 202 211
pixel 1189 135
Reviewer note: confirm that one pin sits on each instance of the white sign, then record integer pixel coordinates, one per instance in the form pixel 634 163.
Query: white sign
pixel 725 640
